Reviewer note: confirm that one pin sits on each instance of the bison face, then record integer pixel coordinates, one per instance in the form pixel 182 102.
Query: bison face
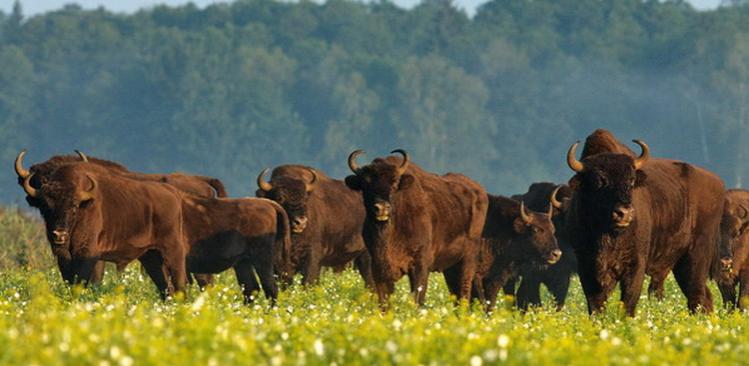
pixel 535 235
pixel 379 182
pixel 605 183
pixel 63 205
pixel 733 239
pixel 292 194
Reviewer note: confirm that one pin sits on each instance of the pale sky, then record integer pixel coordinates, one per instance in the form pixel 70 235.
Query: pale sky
pixel 31 7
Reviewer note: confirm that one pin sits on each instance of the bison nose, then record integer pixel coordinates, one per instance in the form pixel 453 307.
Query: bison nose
pixel 727 263
pixel 382 211
pixel 60 236
pixel 554 256
pixel 622 214
pixel 298 224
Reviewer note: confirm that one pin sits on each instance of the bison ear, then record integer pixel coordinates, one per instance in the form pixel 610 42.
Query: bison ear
pixel 519 226
pixel 640 178
pixel 405 182
pixel 353 182
pixel 574 183
pixel 260 193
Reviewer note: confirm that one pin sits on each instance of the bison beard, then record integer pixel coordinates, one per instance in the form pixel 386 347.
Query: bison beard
pixel 417 222
pixel 327 219
pixel 613 227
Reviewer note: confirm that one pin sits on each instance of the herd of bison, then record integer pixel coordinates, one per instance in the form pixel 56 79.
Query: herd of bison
pixel 620 217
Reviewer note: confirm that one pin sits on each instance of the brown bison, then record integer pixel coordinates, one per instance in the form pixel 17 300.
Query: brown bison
pixel 514 237
pixel 245 234
pixel 630 216
pixel 556 277
pixel 733 264
pixel 326 220
pixel 91 215
pixel 199 185
pixel 417 222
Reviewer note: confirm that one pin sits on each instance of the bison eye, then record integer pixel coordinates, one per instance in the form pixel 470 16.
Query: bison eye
pixel 84 204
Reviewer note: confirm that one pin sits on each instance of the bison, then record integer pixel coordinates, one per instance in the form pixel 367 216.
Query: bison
pixel 417 222
pixel 733 264
pixel 326 220
pixel 91 215
pixel 199 185
pixel 556 277
pixel 631 216
pixel 514 237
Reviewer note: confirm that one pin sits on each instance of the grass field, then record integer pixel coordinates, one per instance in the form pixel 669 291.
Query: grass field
pixel 122 322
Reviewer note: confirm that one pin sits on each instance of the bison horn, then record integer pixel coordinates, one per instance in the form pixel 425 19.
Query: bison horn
pixel 352 160
pixel 644 156
pixel 83 156
pixel 404 164
pixel 23 173
pixel 311 184
pixel 88 193
pixel 742 212
pixel 574 164
pixel 261 183
pixel 553 202
pixel 31 191
pixel 523 214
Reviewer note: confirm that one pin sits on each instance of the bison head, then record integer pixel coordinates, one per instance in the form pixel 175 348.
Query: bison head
pixel 733 238
pixel 66 197
pixel 291 193
pixel 535 233
pixel 39 173
pixel 605 183
pixel 379 183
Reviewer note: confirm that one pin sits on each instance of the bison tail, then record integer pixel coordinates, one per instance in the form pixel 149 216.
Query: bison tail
pixel 283 237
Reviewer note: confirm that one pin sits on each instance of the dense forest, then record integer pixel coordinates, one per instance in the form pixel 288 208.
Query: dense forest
pixel 231 88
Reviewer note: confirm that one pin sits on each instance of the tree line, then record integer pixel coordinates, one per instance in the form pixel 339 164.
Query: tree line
pixel 229 89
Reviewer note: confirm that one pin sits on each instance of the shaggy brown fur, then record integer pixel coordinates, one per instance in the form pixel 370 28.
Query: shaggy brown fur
pixel 673 217
pixel 199 185
pixel 92 215
pixel 326 221
pixel 244 234
pixel 733 265
pixel 418 222
pixel 556 277
pixel 512 242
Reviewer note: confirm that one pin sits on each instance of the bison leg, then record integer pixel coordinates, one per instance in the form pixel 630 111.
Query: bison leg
pixel 691 275
pixel 312 268
pixel 509 287
pixel 247 281
pixel 631 288
pixel 66 269
pixel 655 288
pixel 363 264
pixel 743 300
pixel 203 279
pixel 384 289
pixel 529 292
pixel 175 265
pixel 152 263
pixel 264 271
pixel 559 287
pixel 728 293
pixel 83 269
pixel 596 292
pixel 452 279
pixel 98 273
pixel 418 279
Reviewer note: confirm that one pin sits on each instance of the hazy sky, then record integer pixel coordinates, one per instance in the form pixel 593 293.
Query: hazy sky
pixel 37 6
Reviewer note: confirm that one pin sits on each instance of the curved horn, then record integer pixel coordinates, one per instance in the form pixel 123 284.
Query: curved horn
pixel 553 202
pixel 743 211
pixel 644 156
pixel 404 164
pixel 83 156
pixel 261 183
pixel 572 161
pixel 523 214
pixel 31 191
pixel 88 193
pixel 352 160
pixel 23 173
pixel 311 184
